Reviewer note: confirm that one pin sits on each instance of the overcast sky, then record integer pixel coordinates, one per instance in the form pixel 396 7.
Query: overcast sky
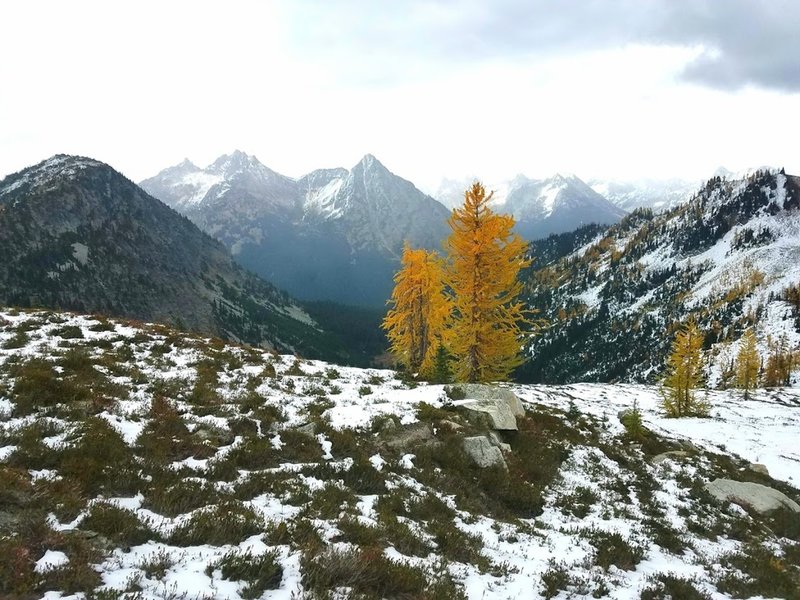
pixel 613 88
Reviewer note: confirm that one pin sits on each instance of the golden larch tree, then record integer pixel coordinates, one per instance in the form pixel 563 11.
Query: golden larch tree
pixel 780 362
pixel 684 374
pixel 748 363
pixel 485 258
pixel 415 323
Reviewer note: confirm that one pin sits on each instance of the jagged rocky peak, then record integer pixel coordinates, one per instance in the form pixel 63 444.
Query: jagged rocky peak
pixel 234 162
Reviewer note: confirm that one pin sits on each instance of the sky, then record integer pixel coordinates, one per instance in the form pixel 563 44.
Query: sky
pixel 623 89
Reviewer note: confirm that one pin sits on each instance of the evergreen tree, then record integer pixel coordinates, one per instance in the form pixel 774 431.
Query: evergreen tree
pixel 684 374
pixel 442 373
pixel 485 259
pixel 748 363
pixel 415 324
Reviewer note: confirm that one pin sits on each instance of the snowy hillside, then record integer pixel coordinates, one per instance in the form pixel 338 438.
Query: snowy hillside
pixel 729 257
pixel 137 462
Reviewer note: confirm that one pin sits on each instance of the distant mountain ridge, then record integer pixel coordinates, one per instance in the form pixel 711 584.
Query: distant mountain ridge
pixel 76 234
pixel 333 234
pixel 656 194
pixel 541 206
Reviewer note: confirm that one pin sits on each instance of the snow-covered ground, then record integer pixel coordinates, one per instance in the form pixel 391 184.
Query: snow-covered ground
pixel 520 551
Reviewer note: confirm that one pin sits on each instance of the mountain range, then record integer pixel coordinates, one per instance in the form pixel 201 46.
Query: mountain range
pixel 75 234
pixel 333 234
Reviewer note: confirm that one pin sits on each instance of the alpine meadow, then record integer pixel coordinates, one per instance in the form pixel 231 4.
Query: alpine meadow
pixel 544 348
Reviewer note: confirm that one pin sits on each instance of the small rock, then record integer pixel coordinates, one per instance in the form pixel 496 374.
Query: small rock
pixel 309 429
pixel 759 468
pixel 760 498
pixel 216 436
pixel 482 453
pixel 415 435
pixel 672 454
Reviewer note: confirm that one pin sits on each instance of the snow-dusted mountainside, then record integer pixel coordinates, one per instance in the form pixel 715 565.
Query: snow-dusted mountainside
pixel 729 257
pixel 76 234
pixel 332 234
pixel 656 194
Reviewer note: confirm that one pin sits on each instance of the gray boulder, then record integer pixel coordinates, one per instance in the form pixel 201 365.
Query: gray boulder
pixel 482 391
pixel 500 405
pixel 759 468
pixel 759 497
pixel 481 451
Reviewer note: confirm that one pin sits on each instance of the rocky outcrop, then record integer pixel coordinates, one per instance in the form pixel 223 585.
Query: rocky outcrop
pixel 760 498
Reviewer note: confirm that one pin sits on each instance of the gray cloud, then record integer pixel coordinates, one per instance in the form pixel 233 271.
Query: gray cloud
pixel 746 42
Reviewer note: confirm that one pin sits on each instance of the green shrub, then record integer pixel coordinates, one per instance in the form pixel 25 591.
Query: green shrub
pixel 632 421
pixel 156 565
pixel 99 460
pixel 173 497
pixel 671 587
pixel 368 573
pixel 555 579
pixel 20 339
pixel 763 574
pixel 227 523
pixel 38 385
pixel 69 332
pixel 330 501
pixel 166 437
pixel 359 534
pixel 120 525
pixel 260 572
pixel 613 549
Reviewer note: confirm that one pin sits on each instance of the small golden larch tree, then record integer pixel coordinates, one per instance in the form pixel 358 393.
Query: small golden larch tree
pixel 685 374
pixel 748 363
pixel 485 258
